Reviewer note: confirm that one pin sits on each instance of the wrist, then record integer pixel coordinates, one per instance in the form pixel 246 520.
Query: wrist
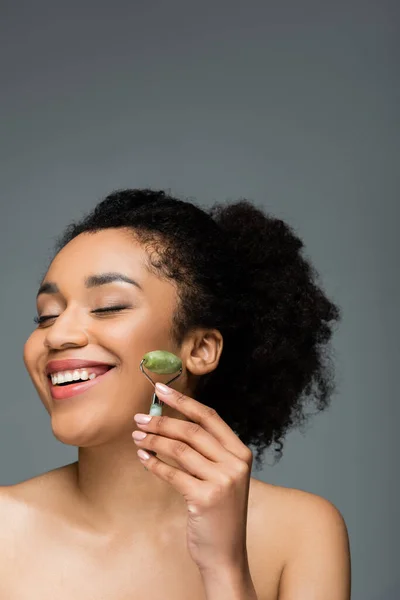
pixel 228 583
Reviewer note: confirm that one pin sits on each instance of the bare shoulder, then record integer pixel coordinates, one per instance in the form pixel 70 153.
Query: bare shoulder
pixel 298 512
pixel 12 519
pixel 11 508
pixel 313 540
pixel 25 509
pixel 21 501
pixel 40 488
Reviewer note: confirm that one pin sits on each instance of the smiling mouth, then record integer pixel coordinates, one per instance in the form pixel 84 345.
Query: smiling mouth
pixel 71 383
pixel 65 378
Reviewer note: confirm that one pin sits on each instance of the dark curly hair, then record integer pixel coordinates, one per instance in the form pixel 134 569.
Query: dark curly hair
pixel 240 271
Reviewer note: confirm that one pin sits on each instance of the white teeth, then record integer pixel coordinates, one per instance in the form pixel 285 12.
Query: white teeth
pixel 67 376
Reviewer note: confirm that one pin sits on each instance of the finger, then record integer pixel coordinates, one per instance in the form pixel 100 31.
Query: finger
pixel 191 433
pixel 182 482
pixel 189 459
pixel 207 417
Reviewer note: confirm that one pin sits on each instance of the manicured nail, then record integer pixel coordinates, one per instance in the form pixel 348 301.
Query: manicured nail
pixel 140 418
pixel 143 454
pixel 164 389
pixel 139 435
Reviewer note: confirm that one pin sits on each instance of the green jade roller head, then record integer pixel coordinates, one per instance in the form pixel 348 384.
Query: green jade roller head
pixel 160 362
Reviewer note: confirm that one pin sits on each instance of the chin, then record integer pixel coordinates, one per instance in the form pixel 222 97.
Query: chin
pixel 82 439
pixel 90 430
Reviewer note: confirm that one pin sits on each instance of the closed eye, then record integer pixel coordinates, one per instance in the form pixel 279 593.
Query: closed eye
pixel 106 309
pixel 109 309
pixel 43 319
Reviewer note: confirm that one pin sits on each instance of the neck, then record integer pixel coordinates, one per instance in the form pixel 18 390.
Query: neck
pixel 116 492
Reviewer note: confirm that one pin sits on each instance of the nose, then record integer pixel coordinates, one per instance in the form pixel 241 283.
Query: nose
pixel 67 331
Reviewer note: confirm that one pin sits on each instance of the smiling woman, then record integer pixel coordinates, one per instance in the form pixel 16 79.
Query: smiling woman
pixel 229 293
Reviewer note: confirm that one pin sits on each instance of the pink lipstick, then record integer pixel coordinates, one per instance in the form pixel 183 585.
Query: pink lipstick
pixel 74 388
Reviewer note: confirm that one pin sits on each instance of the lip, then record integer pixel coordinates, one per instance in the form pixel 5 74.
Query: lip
pixel 69 364
pixel 75 389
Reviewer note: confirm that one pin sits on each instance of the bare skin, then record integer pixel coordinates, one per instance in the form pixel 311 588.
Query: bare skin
pixel 49 549
pixel 104 527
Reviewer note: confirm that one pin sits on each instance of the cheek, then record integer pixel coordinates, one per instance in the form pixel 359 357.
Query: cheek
pixel 131 341
pixel 31 351
pixel 129 335
pixel 118 337
pixel 33 348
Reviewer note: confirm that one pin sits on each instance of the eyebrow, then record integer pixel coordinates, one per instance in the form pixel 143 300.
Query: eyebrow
pixel 49 287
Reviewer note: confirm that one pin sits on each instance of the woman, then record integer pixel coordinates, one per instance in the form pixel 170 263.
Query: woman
pixel 229 293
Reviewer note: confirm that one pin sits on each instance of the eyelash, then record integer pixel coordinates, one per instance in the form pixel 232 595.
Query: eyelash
pixel 108 309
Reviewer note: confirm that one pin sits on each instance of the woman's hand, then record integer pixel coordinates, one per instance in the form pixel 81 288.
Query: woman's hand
pixel 214 481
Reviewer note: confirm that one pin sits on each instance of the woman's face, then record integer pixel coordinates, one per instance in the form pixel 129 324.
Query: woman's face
pixel 75 290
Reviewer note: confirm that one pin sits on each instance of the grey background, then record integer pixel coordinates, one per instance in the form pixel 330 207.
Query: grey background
pixel 293 105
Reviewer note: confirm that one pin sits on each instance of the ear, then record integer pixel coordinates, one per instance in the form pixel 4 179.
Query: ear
pixel 203 350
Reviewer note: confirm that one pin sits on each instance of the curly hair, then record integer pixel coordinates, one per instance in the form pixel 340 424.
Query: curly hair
pixel 238 270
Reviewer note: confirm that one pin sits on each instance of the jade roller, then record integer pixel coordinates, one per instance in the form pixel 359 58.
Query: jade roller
pixel 160 362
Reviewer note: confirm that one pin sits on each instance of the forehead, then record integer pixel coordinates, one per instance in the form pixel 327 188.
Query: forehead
pixel 105 250
pixel 110 251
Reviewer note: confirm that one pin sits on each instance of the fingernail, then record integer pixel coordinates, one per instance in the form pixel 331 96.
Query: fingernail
pixel 143 454
pixel 164 389
pixel 139 435
pixel 140 418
